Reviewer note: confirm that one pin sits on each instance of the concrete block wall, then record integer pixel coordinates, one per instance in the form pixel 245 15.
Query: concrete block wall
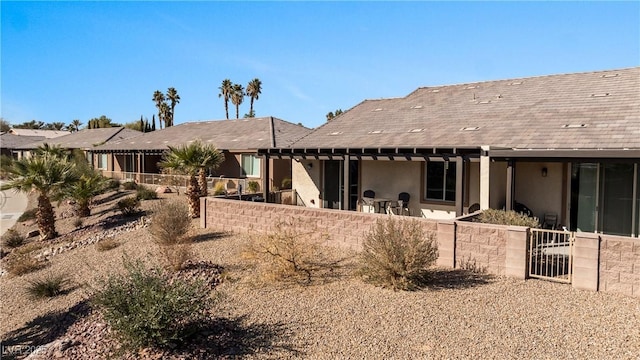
pixel 620 265
pixel 600 262
pixel 482 245
pixel 340 228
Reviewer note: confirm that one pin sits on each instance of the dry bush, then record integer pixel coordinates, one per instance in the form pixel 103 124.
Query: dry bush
pixel 170 225
pixel 503 217
pixel 107 244
pixel 48 286
pixel 12 239
pixel 471 265
pixel 129 205
pixel 219 189
pixel 292 252
pixel 20 264
pixel 397 254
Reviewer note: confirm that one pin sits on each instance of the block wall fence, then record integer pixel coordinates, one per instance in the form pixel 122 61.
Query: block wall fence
pixel 600 262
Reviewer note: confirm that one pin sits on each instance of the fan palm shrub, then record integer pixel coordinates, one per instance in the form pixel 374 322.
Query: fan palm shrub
pixel 48 175
pixel 193 159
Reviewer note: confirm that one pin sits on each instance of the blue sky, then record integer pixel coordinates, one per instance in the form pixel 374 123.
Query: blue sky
pixel 79 60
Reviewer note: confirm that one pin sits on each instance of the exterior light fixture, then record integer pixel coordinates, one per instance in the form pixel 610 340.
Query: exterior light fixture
pixel 544 172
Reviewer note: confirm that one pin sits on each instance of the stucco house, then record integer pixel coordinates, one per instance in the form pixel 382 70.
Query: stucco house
pixel 9 142
pixel 563 145
pixel 137 158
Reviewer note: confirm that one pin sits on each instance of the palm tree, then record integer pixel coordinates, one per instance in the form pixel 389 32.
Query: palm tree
pixel 237 97
pixel 48 175
pixel 254 89
pixel 174 98
pixel 89 185
pixel 190 160
pixel 158 98
pixel 75 125
pixel 225 91
pixel 53 150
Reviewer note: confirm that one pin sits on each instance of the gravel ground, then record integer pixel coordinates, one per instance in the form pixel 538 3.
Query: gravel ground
pixel 458 315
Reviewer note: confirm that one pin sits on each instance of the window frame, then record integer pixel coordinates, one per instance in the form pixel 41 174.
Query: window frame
pixel 256 170
pixel 99 162
pixel 448 165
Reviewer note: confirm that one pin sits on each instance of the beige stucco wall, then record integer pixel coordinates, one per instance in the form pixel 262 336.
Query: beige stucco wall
pixel 306 181
pixel 540 194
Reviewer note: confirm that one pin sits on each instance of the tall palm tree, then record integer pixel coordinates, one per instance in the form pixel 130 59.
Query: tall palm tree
pixel 158 98
pixel 48 175
pixel 237 97
pixel 226 89
pixel 254 89
pixel 190 159
pixel 75 125
pixel 174 98
pixel 210 158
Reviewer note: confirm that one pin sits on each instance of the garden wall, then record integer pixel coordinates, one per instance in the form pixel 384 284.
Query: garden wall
pixel 601 262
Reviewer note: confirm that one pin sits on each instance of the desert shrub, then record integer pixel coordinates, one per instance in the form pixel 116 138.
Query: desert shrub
pixel 253 186
pixel 129 205
pixel 170 225
pixel 219 189
pixel 146 309
pixel 503 217
pixel 292 252
pixel 20 264
pixel 28 215
pixel 397 254
pixel 286 183
pixel 12 239
pixel 129 185
pixel 170 222
pixel 144 193
pixel 47 286
pixel 107 244
pixel 77 222
pixel 113 184
pixel 471 265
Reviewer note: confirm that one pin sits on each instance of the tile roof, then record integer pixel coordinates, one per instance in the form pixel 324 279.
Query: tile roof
pixel 239 134
pixel 87 138
pixel 11 141
pixel 49 134
pixel 590 110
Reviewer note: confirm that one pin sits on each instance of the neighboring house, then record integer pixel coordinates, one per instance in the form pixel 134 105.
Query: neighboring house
pixel 9 142
pixel 84 140
pixel 564 145
pixel 49 134
pixel 138 158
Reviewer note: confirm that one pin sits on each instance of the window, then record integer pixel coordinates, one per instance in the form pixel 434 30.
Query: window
pixel 250 166
pixel 102 161
pixel 441 181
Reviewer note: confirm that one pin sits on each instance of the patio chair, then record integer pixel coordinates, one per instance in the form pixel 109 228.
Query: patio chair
pixel 402 204
pixel 550 221
pixel 367 199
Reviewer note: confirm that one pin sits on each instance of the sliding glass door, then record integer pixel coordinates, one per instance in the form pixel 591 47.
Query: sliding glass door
pixel 605 198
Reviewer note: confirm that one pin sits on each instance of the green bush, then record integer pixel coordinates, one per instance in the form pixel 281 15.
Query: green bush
pixel 129 205
pixel 253 186
pixel 146 309
pixel 286 183
pixel 144 193
pixel 12 239
pixel 129 185
pixel 503 217
pixel 397 254
pixel 47 286
pixel 113 184
pixel 28 215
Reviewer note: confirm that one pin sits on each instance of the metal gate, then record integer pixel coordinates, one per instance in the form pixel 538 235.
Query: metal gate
pixel 551 255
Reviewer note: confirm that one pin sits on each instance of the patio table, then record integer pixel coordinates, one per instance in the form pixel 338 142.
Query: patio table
pixel 382 204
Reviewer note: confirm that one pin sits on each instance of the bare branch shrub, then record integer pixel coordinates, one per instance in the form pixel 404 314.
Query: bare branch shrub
pixel 397 254
pixel 504 217
pixel 292 252
pixel 170 225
